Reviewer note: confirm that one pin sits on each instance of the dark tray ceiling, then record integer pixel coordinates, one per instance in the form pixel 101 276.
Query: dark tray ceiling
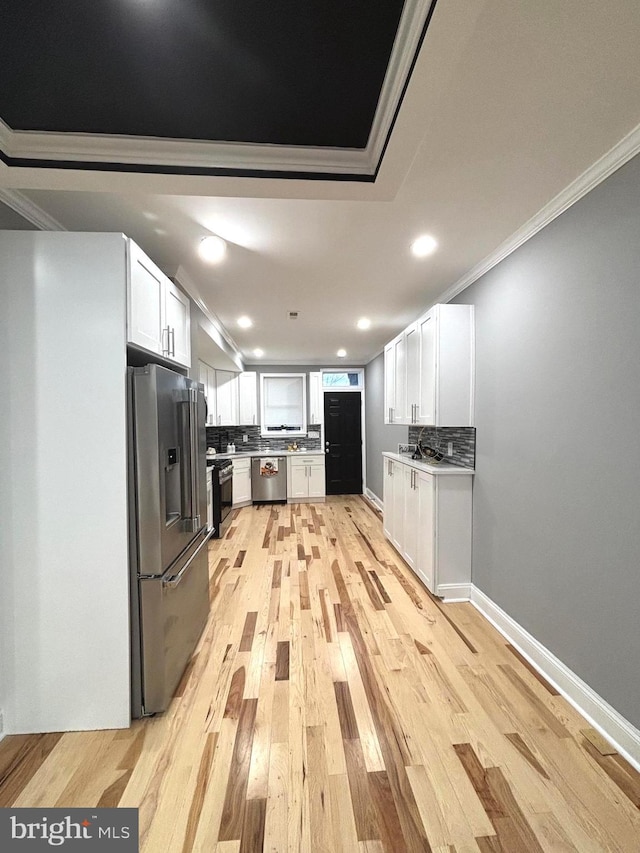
pixel 263 71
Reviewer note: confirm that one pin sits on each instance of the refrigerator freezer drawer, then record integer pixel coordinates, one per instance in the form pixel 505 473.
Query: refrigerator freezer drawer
pixel 173 613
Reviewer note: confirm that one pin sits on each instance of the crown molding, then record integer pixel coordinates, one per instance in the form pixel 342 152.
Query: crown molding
pixel 148 154
pixel 621 153
pixel 23 206
pixel 411 31
pixel 187 283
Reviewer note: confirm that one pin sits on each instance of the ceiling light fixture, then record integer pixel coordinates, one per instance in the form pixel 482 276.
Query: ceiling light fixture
pixel 258 352
pixel 341 353
pixel 363 323
pixel 424 245
pixel 212 249
pixel 245 322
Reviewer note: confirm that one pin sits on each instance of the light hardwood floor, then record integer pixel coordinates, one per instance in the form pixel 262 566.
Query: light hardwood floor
pixel 334 705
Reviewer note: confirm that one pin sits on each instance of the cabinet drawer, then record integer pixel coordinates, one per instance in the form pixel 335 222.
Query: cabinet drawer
pixel 303 461
pixel 241 464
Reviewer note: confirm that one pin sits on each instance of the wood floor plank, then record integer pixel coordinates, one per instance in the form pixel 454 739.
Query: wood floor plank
pixel 235 797
pixel 333 704
pixel 20 759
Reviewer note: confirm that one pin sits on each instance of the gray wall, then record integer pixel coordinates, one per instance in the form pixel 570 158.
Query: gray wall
pixel 379 436
pixel 556 534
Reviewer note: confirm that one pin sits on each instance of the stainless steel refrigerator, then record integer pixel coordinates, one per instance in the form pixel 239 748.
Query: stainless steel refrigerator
pixel 167 531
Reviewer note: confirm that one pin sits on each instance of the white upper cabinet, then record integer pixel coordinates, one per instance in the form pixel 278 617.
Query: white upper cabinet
pixel 389 382
pixel 158 312
pixel 316 398
pixel 144 303
pixel 226 398
pixel 207 376
pixel 429 370
pixel 178 323
pixel 248 394
pixel 395 381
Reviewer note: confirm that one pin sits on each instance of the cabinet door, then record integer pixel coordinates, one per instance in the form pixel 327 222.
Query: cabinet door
pixel 410 515
pixel 316 486
pixel 248 393
pixel 425 565
pixel 241 485
pixel 177 316
pixel 389 383
pixel 398 506
pixel 427 390
pixel 387 497
pixel 412 344
pixel 400 380
pixel 316 399
pixel 226 398
pixel 299 481
pixel 207 376
pixel 145 303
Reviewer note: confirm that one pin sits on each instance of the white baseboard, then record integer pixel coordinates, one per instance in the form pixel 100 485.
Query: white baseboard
pixel 375 500
pixel 615 728
pixel 453 592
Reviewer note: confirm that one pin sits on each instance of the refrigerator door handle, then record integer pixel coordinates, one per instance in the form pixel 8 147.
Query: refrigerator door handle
pixel 175 581
pixel 191 474
pixel 193 459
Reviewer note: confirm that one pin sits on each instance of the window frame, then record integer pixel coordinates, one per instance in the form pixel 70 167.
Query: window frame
pixel 358 387
pixel 271 433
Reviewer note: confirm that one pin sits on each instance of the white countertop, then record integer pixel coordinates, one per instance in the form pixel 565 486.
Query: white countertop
pixel 441 468
pixel 240 454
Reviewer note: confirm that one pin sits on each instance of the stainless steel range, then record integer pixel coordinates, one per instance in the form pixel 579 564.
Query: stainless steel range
pixel 221 472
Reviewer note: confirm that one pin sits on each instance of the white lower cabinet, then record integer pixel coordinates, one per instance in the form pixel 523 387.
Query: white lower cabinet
pixel 306 478
pixel 427 518
pixel 241 494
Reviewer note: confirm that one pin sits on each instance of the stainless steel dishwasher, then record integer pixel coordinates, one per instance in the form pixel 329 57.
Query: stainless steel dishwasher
pixel 268 479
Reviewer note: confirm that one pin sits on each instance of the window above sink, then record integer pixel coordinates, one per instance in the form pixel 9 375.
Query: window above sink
pixel 283 404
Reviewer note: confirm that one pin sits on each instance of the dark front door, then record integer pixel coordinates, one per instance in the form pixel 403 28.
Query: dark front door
pixel 343 440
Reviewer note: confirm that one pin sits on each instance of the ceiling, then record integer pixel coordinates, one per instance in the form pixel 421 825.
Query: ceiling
pixel 505 105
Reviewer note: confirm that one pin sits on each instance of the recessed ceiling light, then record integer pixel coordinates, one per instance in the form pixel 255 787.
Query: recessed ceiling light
pixel 424 245
pixel 341 353
pixel 364 323
pixel 212 249
pixel 258 352
pixel 245 322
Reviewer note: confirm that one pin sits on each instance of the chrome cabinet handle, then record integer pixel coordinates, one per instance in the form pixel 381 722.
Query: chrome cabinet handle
pixel 165 349
pixel 173 342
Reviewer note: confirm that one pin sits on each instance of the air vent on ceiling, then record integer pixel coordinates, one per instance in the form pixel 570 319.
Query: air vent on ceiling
pixel 293 315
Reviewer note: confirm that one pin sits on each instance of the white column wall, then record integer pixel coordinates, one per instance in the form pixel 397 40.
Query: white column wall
pixel 64 609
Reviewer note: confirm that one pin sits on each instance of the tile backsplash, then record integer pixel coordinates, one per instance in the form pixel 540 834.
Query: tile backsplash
pixel 219 437
pixel 463 439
